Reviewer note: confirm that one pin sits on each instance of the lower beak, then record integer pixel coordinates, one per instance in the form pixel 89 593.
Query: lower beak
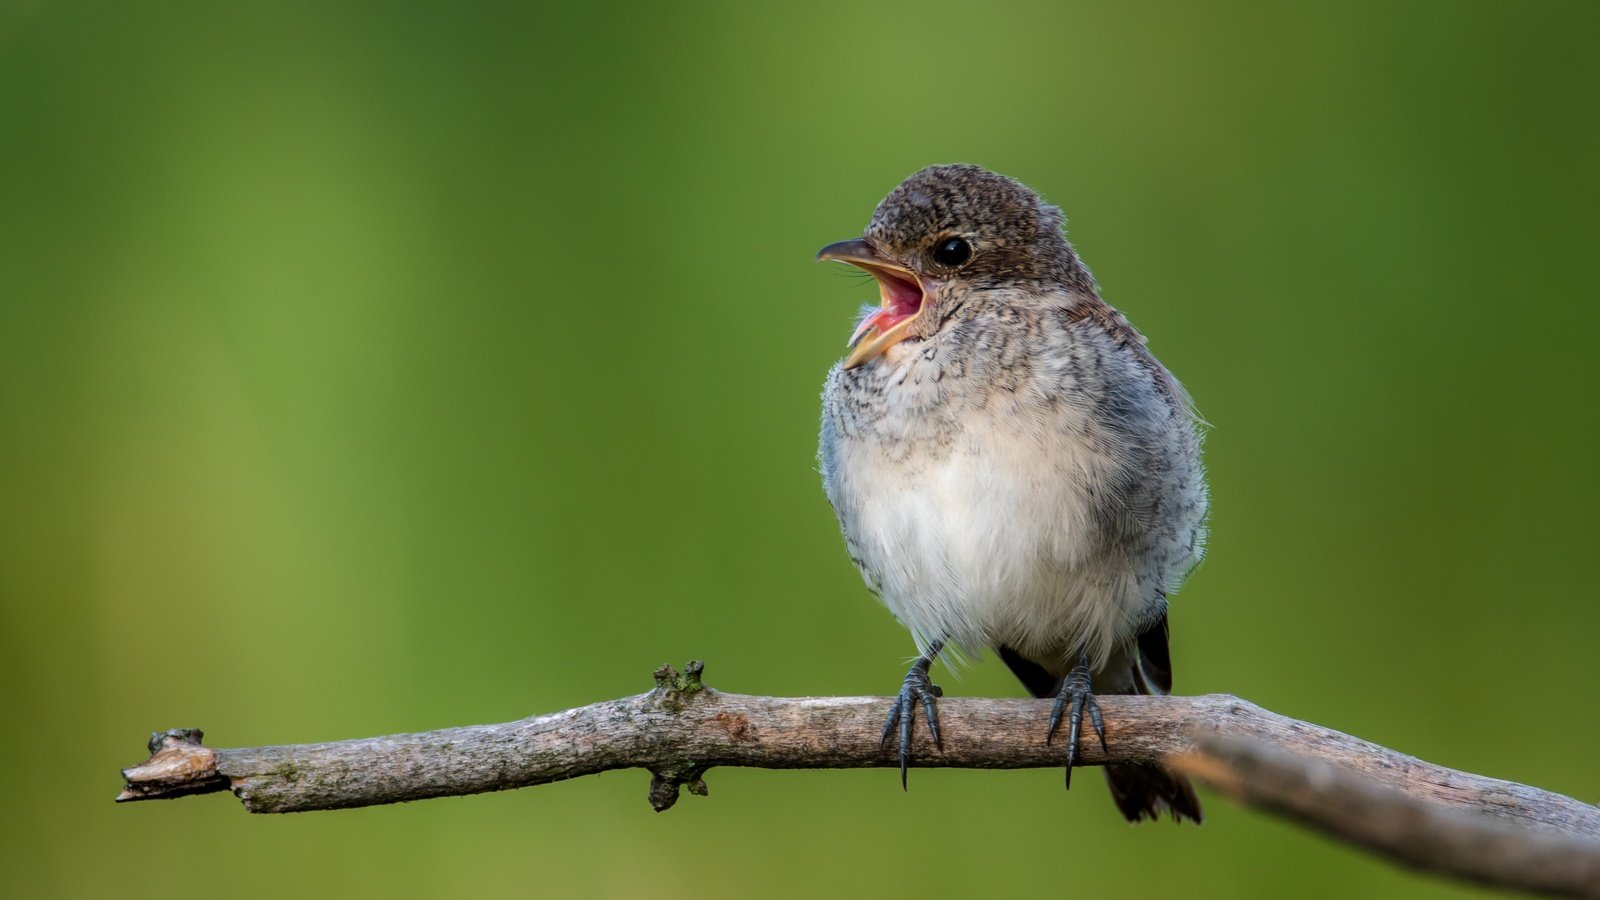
pixel 902 294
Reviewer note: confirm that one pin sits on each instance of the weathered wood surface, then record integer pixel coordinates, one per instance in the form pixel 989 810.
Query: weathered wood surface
pixel 1353 789
pixel 1472 832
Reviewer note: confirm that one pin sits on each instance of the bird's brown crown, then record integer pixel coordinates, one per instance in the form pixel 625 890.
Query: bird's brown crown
pixel 1014 238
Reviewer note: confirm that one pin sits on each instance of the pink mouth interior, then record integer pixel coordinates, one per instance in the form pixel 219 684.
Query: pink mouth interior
pixel 902 299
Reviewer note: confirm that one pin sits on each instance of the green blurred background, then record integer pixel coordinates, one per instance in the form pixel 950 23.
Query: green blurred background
pixel 375 367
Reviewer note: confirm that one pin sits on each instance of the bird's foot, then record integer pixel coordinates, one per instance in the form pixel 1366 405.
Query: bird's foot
pixel 1075 698
pixel 917 688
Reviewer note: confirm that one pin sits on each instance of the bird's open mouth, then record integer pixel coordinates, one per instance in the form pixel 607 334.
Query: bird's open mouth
pixel 903 300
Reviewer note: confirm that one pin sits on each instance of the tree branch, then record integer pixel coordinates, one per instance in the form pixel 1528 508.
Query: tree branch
pixel 1479 828
pixel 1459 839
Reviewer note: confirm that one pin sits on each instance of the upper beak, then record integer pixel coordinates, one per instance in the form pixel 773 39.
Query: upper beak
pixel 901 291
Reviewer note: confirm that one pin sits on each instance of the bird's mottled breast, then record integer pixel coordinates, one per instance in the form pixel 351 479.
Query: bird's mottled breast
pixel 1042 372
pixel 1056 393
pixel 1058 410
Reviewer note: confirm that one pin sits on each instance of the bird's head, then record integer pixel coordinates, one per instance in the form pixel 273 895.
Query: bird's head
pixel 950 238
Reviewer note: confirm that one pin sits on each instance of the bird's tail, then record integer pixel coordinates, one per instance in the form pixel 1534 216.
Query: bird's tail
pixel 1146 791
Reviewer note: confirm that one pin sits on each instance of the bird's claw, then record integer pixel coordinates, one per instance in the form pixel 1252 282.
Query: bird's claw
pixel 1075 699
pixel 917 688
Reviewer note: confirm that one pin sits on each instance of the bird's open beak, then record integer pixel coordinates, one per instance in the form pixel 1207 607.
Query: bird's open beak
pixel 903 300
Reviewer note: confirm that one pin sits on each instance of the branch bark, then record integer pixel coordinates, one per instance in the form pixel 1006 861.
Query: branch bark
pixel 1471 826
pixel 1472 836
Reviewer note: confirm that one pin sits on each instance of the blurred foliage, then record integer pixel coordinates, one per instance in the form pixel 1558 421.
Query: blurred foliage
pixel 371 367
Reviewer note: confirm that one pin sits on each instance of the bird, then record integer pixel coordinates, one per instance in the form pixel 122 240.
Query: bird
pixel 1011 467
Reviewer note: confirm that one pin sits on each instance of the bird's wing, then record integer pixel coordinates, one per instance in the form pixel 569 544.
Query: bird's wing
pixel 1153 672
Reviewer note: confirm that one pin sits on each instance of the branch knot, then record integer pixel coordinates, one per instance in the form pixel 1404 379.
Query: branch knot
pixel 664 786
pixel 674 690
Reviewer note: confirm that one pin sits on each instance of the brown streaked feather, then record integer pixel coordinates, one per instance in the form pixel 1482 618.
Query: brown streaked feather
pixel 1109 319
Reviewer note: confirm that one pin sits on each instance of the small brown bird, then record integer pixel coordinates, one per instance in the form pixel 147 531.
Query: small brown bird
pixel 1010 465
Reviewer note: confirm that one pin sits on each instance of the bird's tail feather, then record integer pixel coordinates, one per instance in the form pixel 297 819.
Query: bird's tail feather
pixel 1143 791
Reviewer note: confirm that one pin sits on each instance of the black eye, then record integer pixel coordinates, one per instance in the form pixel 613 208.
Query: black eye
pixel 952 253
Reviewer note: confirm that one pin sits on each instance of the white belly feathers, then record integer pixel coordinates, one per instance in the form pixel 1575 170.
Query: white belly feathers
pixel 993 541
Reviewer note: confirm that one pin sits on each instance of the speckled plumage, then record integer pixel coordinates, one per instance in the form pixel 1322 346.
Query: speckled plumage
pixel 1020 472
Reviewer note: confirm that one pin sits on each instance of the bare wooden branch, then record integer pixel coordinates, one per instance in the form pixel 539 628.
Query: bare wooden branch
pixel 1374 796
pixel 1453 840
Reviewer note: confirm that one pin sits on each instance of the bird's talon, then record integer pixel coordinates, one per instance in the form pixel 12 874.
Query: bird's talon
pixel 917 689
pixel 889 723
pixel 1098 723
pixel 1074 700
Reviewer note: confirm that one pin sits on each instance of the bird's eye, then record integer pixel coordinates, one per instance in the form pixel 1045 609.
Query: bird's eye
pixel 952 253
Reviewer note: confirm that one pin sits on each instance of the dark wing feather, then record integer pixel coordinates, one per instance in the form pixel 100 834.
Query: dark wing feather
pixel 1032 675
pixel 1154 669
pixel 1146 791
